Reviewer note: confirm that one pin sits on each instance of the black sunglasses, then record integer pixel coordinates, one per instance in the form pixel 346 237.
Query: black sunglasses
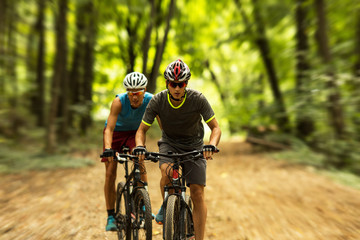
pixel 180 84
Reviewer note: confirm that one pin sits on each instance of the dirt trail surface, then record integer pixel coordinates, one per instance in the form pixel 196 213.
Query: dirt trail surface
pixel 249 197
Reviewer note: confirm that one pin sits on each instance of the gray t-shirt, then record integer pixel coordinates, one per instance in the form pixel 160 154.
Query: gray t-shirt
pixel 181 125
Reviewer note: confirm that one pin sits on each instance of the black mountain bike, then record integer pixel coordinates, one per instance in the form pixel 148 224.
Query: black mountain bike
pixel 133 213
pixel 178 220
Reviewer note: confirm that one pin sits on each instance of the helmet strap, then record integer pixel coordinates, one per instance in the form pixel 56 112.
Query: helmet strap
pixel 176 99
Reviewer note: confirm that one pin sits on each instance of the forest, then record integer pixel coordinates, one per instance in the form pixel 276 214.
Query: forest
pixel 281 72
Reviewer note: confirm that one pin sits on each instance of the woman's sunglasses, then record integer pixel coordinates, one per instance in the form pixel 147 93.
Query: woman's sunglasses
pixel 180 84
pixel 136 93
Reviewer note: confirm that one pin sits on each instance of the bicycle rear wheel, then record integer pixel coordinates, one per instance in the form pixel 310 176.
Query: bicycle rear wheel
pixel 121 212
pixel 172 218
pixel 142 222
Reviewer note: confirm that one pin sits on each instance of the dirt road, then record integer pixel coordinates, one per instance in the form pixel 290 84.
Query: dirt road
pixel 249 197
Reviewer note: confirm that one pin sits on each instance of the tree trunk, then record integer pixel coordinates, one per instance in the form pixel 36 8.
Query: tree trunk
pixel 76 74
pixel 304 122
pixel 133 36
pixel 58 75
pixel 160 50
pixel 64 97
pixel 355 118
pixel 11 67
pixel 38 107
pixel 88 66
pixel 3 29
pixel 334 107
pixel 263 44
pixel 215 81
pixel 147 38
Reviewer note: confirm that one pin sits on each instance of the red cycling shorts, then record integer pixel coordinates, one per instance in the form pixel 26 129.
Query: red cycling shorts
pixel 124 138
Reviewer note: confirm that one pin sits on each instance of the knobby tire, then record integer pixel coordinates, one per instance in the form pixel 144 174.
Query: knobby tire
pixel 121 212
pixel 142 224
pixel 172 218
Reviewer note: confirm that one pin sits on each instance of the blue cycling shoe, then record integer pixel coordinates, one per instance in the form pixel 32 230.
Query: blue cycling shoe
pixel 159 219
pixel 143 209
pixel 111 224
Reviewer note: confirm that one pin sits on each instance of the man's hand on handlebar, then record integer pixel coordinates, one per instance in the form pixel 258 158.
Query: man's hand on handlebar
pixel 209 150
pixel 109 154
pixel 139 151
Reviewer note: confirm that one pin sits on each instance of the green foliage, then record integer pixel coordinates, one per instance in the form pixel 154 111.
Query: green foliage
pixel 343 177
pixel 306 157
pixel 300 152
pixel 330 154
pixel 218 32
pixel 15 161
pixel 341 154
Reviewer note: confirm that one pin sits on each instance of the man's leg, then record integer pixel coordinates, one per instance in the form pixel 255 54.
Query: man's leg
pixel 109 188
pixel 165 171
pixel 199 211
pixel 110 193
pixel 143 174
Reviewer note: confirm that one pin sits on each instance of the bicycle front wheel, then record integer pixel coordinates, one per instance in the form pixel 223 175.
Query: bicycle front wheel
pixel 121 212
pixel 187 220
pixel 172 218
pixel 142 222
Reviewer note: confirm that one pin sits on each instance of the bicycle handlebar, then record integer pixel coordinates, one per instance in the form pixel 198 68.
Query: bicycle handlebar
pixel 121 157
pixel 196 154
pixel 154 156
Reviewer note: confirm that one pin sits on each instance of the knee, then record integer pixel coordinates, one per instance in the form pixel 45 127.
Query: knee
pixel 166 172
pixel 197 193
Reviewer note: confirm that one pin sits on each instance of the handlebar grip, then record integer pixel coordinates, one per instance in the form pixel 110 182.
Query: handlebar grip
pixel 152 158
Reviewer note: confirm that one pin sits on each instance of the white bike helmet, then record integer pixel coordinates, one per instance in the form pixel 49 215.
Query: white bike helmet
pixel 177 71
pixel 135 80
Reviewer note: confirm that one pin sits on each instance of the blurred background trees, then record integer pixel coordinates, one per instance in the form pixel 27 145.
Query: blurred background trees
pixel 274 70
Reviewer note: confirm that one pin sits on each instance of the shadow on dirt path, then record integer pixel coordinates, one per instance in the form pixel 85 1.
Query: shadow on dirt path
pixel 249 197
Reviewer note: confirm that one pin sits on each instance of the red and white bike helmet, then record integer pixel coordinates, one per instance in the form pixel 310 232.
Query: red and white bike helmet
pixel 177 71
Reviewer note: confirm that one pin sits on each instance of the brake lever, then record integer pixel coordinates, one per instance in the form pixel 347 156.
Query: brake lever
pixel 121 158
pixel 152 158
pixel 198 155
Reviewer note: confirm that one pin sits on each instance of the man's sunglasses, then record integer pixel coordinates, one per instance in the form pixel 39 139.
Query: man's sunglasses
pixel 180 84
pixel 136 93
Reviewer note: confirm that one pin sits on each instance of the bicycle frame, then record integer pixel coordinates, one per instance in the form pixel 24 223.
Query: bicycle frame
pixel 177 182
pixel 132 181
pixel 179 187
pixel 133 191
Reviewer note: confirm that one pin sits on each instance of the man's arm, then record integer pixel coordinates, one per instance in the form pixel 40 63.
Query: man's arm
pixel 140 137
pixel 215 132
pixel 159 122
pixel 214 136
pixel 111 122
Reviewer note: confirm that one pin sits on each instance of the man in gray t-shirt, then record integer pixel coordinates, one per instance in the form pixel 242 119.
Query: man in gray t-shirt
pixel 179 112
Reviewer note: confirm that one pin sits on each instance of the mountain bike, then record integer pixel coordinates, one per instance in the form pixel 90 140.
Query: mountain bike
pixel 178 220
pixel 133 213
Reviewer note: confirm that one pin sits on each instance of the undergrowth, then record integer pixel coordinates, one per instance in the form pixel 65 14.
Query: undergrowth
pixel 321 161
